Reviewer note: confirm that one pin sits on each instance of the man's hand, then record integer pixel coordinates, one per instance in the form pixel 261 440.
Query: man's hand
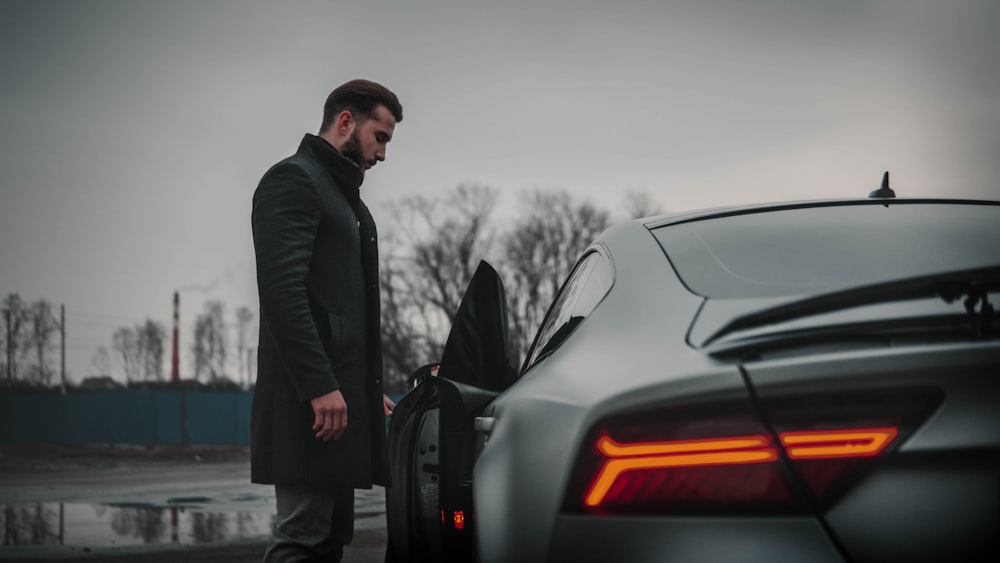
pixel 331 415
pixel 387 405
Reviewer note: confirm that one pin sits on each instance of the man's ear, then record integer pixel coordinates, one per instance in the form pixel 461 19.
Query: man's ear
pixel 345 123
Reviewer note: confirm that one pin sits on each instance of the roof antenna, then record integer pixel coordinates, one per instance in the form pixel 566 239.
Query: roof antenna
pixel 885 191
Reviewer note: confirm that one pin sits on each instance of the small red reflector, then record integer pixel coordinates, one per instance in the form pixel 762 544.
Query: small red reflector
pixel 818 444
pixel 459 519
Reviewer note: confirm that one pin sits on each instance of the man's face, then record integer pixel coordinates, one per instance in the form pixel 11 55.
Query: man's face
pixel 367 143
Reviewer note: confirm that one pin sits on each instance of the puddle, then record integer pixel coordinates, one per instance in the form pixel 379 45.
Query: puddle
pixel 103 525
pixel 154 519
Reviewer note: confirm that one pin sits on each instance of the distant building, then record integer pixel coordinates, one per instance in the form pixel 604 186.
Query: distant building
pixel 100 383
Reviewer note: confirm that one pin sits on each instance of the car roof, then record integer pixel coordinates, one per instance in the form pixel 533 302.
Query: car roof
pixel 716 212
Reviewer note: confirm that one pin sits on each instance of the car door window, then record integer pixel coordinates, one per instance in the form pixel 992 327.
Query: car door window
pixel 583 290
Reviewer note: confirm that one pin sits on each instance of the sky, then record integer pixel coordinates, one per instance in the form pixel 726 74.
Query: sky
pixel 133 133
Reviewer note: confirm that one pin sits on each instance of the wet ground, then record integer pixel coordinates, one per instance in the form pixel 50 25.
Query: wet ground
pixel 148 505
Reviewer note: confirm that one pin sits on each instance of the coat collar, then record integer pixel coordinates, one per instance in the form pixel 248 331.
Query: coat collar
pixel 346 173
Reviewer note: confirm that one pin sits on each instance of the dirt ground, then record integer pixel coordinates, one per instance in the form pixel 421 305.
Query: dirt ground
pixel 64 471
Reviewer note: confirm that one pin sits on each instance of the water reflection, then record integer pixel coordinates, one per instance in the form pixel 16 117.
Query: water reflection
pixel 37 524
pixel 146 524
pixel 105 525
pixel 209 528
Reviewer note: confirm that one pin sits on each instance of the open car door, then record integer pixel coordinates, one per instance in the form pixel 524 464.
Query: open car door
pixel 433 442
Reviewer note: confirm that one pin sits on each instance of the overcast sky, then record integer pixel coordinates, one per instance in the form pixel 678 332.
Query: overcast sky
pixel 134 132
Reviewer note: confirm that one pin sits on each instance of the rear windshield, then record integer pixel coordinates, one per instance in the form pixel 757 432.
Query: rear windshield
pixel 813 250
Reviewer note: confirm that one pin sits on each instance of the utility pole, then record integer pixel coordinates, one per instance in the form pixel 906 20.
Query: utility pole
pixel 174 357
pixel 62 345
pixel 246 384
pixel 10 346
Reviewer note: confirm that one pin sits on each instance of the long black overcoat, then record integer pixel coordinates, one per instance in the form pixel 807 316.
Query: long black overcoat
pixel 317 276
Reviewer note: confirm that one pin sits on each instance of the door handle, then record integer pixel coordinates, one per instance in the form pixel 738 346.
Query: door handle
pixel 483 424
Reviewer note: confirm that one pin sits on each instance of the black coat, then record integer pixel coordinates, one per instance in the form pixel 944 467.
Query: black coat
pixel 317 276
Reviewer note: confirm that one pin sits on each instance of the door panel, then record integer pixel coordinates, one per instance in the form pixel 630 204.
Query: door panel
pixel 476 352
pixel 410 427
pixel 433 446
pixel 427 479
pixel 432 435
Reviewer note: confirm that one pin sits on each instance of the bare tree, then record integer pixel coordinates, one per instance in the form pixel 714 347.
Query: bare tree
pixel 407 338
pixel 427 260
pixel 540 250
pixel 209 345
pixel 434 246
pixel 17 319
pixel 125 343
pixel 448 236
pixel 640 204
pixel 244 316
pixel 150 339
pixel 101 360
pixel 41 326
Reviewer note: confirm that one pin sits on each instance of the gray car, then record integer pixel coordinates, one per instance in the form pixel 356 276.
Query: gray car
pixel 814 381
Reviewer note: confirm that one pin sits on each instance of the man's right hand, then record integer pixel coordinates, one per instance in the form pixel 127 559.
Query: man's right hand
pixel 331 415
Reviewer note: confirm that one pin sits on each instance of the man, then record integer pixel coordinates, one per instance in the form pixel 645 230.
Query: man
pixel 317 421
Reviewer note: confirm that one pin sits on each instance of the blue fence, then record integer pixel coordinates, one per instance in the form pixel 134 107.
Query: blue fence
pixel 141 417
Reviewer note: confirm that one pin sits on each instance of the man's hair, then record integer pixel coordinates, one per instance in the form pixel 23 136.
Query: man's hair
pixel 360 97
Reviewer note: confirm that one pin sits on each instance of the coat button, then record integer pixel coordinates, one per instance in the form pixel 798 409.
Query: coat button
pixel 372 239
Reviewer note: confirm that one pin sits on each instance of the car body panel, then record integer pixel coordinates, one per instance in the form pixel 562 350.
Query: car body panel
pixel 948 470
pixel 926 510
pixel 581 384
pixel 693 540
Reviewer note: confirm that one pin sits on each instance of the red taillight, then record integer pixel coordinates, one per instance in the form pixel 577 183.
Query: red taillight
pixel 651 456
pixel 635 466
pixel 721 459
pixel 459 519
pixel 826 444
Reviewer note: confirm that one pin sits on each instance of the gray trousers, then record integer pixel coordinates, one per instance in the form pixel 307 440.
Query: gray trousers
pixel 311 524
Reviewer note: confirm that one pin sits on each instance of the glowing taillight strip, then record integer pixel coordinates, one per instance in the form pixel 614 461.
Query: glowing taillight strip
pixel 611 448
pixel 817 444
pixel 861 442
pixel 679 453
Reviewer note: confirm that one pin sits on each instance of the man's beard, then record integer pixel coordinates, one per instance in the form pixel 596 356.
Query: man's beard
pixel 352 148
